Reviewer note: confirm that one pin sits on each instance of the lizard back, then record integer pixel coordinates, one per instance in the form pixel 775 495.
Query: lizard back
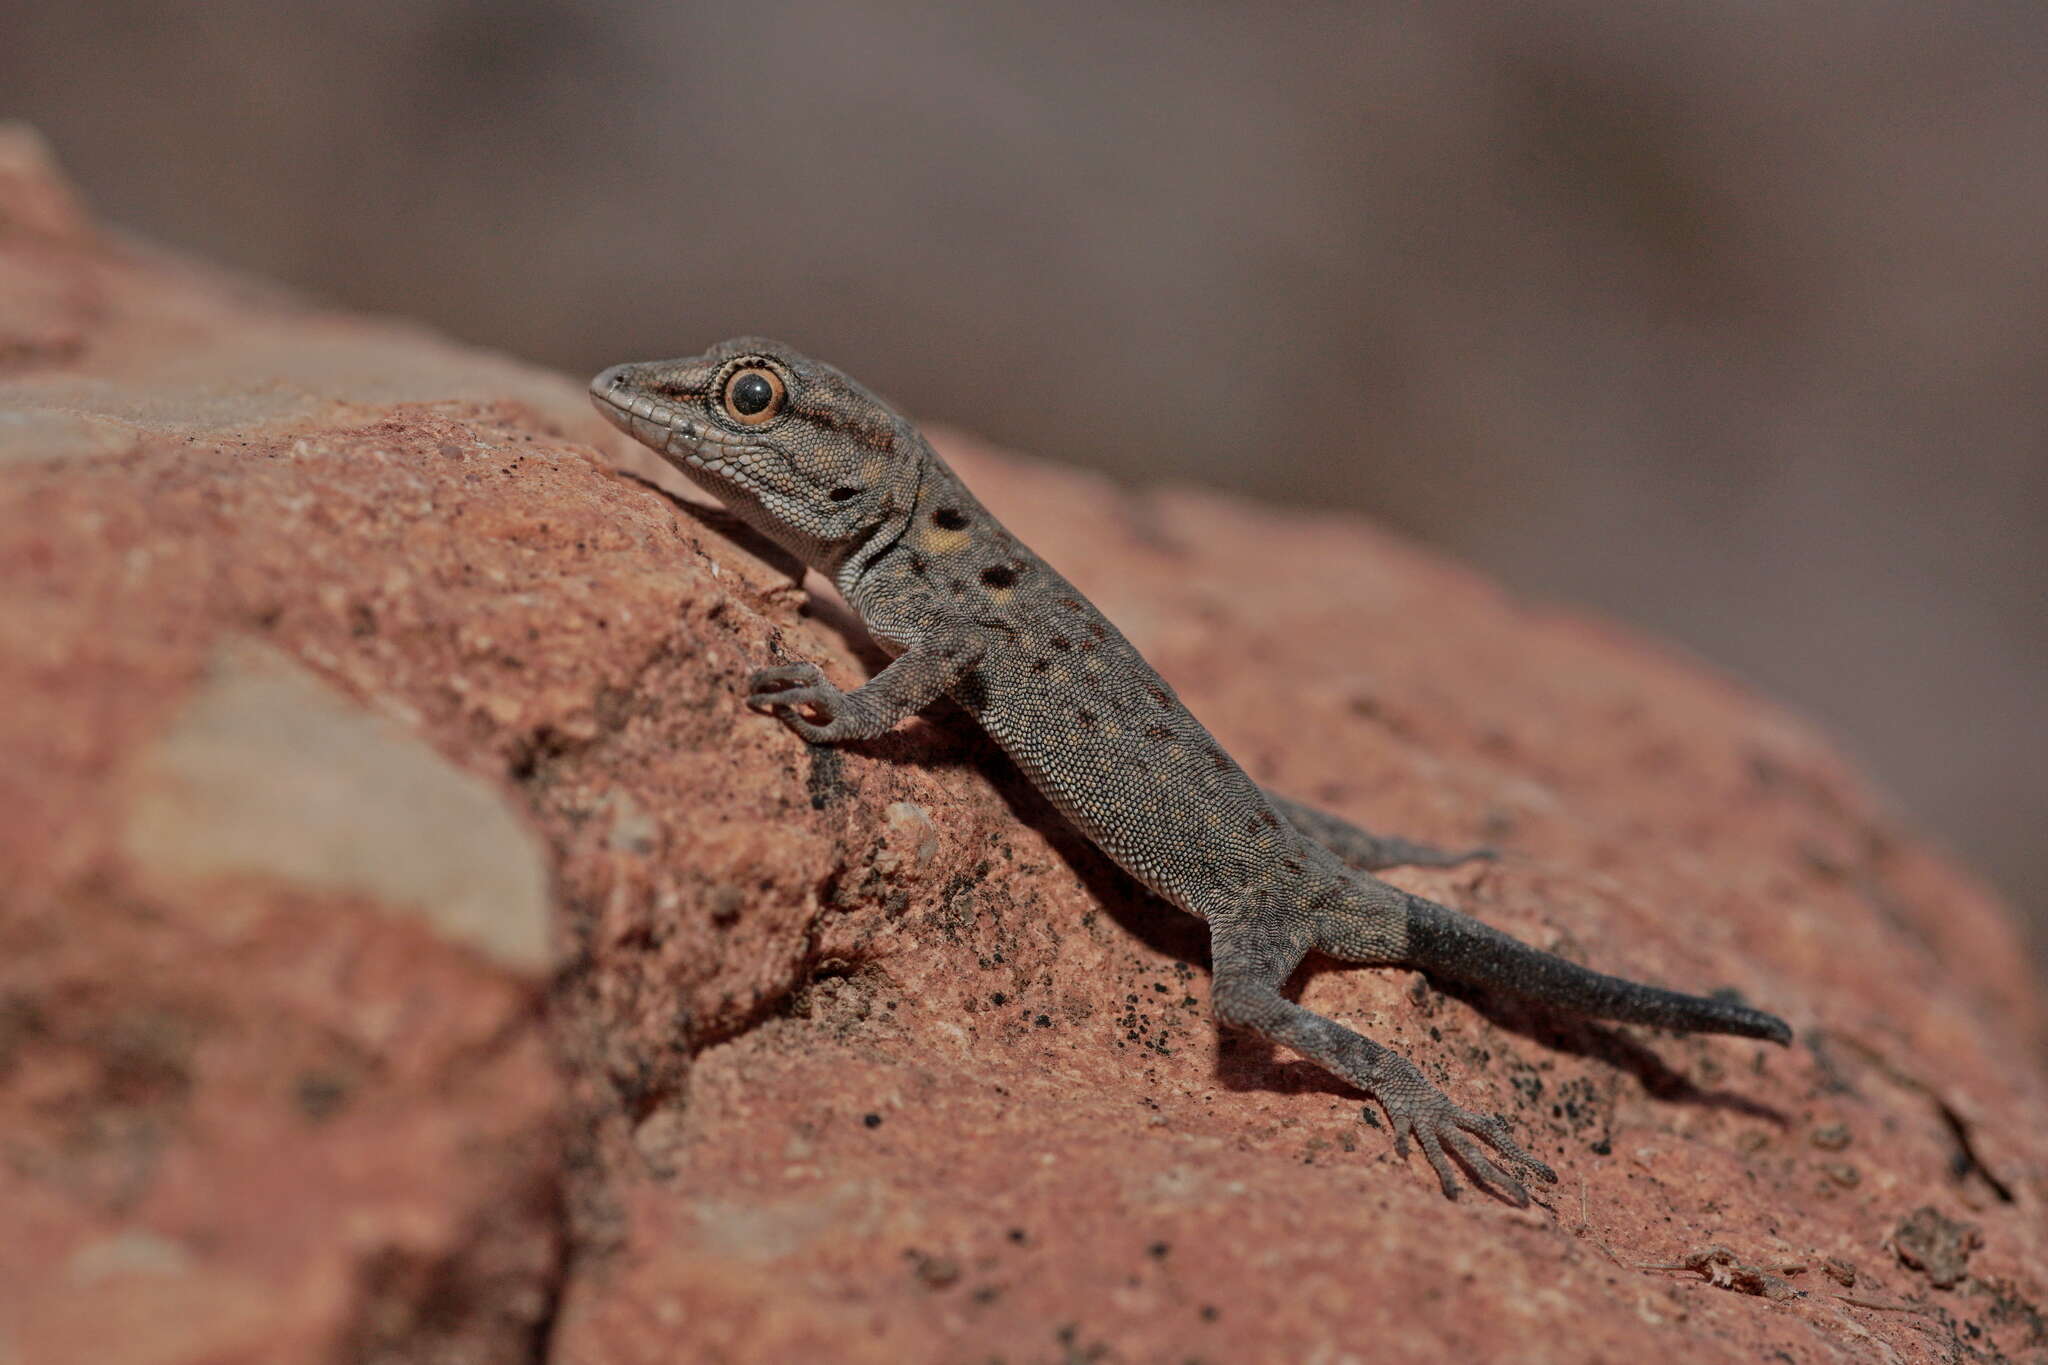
pixel 1076 706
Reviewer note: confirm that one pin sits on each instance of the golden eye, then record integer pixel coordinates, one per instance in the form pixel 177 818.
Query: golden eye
pixel 753 395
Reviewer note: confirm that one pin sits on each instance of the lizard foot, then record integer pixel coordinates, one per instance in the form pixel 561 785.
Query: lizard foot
pixel 1420 1110
pixel 1425 855
pixel 786 688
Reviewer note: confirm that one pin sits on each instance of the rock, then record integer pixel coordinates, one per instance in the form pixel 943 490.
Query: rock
pixel 861 1054
pixel 269 773
pixel 1936 1245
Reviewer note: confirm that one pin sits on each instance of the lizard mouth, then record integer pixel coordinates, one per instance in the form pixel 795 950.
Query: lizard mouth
pixel 677 434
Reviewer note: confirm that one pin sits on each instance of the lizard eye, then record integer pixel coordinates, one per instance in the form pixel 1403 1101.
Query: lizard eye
pixel 753 395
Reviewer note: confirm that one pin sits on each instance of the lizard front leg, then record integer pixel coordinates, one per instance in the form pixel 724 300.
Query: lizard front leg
pixel 915 679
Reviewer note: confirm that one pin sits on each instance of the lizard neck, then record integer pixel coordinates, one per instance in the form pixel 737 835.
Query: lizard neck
pixel 848 572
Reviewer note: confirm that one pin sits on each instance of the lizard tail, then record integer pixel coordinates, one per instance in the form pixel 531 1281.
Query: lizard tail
pixel 1459 948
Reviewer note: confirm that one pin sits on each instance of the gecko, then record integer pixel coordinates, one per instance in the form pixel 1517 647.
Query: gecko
pixel 832 473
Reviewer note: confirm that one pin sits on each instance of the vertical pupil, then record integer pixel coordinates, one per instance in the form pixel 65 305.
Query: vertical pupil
pixel 751 393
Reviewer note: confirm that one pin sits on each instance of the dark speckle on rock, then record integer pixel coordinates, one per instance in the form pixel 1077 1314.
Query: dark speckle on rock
pixel 826 780
pixel 1938 1246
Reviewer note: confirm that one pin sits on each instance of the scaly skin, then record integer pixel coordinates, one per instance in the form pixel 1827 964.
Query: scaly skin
pixel 825 468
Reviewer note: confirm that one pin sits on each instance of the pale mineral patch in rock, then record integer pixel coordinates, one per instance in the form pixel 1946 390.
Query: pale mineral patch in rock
pixel 269 772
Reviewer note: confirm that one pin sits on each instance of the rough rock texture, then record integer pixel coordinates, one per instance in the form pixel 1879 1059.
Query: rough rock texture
pixel 413 950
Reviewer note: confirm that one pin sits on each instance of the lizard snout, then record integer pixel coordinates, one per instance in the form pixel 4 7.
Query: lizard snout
pixel 608 380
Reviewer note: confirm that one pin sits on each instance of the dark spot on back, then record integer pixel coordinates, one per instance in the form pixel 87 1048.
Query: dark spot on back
pixel 999 575
pixel 959 587
pixel 1040 665
pixel 1070 604
pixel 918 564
pixel 1159 695
pixel 949 519
pixel 1061 642
pixel 1159 732
pixel 1098 630
pixel 843 494
pixel 1085 716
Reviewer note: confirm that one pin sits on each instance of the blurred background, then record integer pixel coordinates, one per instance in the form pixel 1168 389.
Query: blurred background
pixel 1729 320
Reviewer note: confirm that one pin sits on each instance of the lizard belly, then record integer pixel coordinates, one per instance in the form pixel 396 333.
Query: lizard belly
pixel 1135 772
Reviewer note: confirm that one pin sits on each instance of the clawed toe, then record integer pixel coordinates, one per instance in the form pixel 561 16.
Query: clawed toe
pixel 812 731
pixel 1495 1130
pixel 1440 1130
pixel 786 688
pixel 791 697
pixel 783 676
pixel 1457 857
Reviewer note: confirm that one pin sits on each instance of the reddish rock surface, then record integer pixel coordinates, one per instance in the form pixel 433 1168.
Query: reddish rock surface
pixel 412 949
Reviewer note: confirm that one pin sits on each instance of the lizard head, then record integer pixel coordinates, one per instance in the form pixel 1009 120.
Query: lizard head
pixel 805 454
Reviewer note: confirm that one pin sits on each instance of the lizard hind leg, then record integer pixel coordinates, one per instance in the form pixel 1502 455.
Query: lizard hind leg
pixel 1366 850
pixel 1370 921
pixel 1254 954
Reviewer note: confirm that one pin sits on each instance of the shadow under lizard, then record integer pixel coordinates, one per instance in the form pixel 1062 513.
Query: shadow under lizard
pixel 825 468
